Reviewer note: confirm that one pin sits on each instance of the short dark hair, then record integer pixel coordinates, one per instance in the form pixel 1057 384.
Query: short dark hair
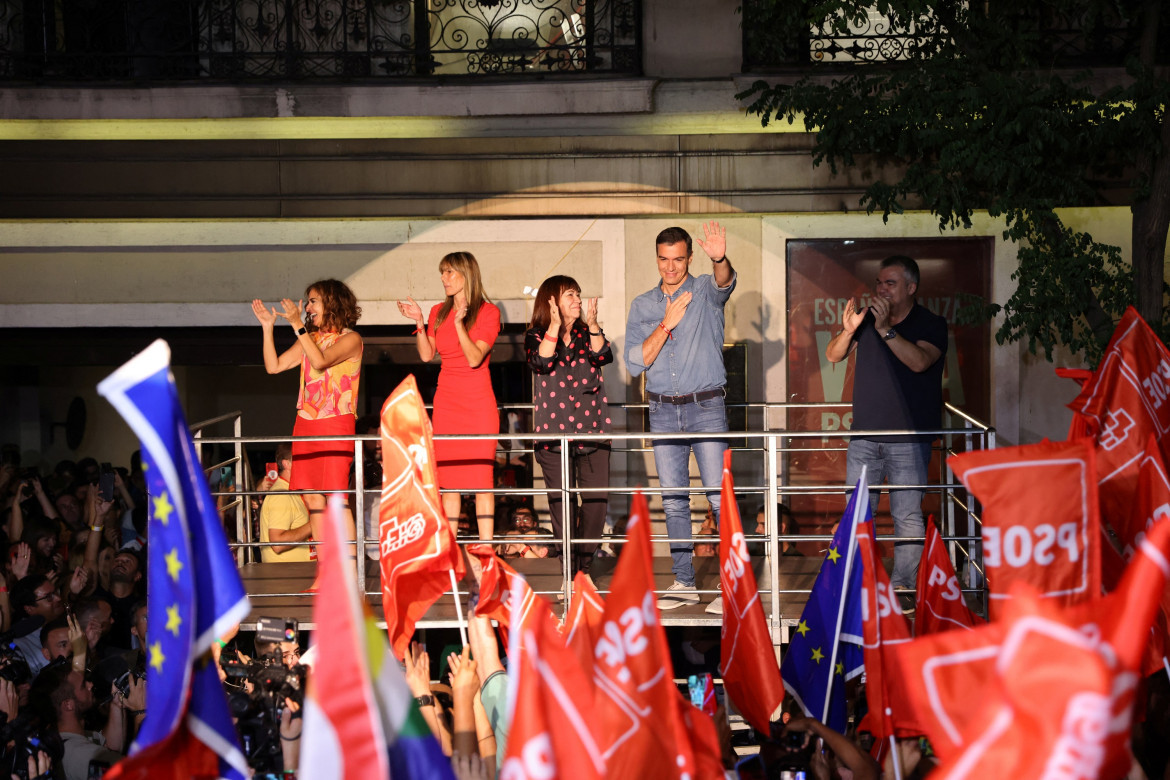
pixel 88 609
pixel 907 264
pixel 672 235
pixel 24 593
pixel 52 626
pixel 53 688
pixel 283 452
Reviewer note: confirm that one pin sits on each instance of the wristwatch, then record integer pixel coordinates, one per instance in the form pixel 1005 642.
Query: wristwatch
pixel 891 334
pixel 425 701
pixel 302 331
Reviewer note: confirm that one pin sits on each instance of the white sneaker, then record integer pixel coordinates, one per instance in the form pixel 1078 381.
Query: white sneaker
pixel 678 595
pixel 715 607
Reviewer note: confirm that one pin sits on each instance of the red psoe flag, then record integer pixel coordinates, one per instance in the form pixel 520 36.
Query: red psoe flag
pixel 1123 404
pixel 553 732
pixel 635 697
pixel 417 546
pixel 883 627
pixel 1040 518
pixel 751 675
pixel 940 604
pixel 582 627
pixel 941 670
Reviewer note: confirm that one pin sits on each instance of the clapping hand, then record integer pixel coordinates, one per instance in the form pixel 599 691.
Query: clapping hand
pixel 411 310
pixel 852 316
pixel 554 315
pixel 591 314
pixel 266 316
pixel 292 312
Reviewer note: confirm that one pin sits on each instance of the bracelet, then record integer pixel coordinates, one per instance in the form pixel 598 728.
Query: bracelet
pixel 720 260
pixel 3 588
pixel 302 331
pixel 598 333
pixel 290 739
pixel 549 338
pixel 420 329
pixel 426 700
pixel 669 335
pixel 96 528
pixel 222 644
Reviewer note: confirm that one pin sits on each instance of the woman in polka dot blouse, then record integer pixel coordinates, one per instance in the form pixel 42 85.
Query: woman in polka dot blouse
pixel 566 350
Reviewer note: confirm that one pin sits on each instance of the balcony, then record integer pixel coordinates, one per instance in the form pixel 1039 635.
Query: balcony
pixel 777 36
pixel 248 41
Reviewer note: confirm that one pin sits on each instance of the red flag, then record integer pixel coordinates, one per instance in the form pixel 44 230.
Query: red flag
pixel 1040 518
pixel 495 590
pixel 553 732
pixel 635 697
pixel 883 626
pixel 751 675
pixel 703 739
pixel 417 546
pixel 940 606
pixel 582 627
pixel 178 757
pixel 1123 404
pixel 943 669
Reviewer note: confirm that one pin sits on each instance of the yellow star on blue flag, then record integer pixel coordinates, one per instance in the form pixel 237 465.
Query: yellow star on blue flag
pixel 194 592
pixel 817 634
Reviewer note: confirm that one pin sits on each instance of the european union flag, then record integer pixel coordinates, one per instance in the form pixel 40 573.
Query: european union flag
pixel 194 592
pixel 815 656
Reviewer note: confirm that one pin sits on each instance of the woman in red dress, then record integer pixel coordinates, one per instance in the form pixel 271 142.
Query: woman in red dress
pixel 329 354
pixel 462 330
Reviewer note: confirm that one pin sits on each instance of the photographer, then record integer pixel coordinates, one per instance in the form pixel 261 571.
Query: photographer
pixel 69 697
pixel 265 694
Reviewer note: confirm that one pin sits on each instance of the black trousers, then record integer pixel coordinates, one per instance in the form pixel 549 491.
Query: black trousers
pixel 586 511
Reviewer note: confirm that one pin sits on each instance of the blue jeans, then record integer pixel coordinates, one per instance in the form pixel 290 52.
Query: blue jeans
pixel 899 463
pixel 672 459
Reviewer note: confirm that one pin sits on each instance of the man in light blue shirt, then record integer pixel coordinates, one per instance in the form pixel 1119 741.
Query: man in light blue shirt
pixel 675 336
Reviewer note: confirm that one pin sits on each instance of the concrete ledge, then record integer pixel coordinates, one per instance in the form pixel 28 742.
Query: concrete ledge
pixel 464 99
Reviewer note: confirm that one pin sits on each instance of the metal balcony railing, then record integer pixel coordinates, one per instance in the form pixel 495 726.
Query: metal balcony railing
pixel 240 41
pixel 766 452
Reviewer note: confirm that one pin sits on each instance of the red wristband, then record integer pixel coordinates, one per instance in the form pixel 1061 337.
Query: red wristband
pixel 420 330
pixel 549 338
pixel 669 335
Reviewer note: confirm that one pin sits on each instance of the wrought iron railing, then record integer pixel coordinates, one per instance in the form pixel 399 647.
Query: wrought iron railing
pixel 778 34
pixel 303 40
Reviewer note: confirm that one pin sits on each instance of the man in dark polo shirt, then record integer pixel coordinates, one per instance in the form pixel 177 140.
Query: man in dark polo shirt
pixel 897 385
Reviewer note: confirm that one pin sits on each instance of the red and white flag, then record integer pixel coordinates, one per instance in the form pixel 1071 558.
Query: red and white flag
pixel 1037 669
pixel 553 732
pixel 418 549
pixel 496 583
pixel 582 626
pixel 940 605
pixel 883 627
pixel 751 674
pixel 636 700
pixel 1122 405
pixel 1040 518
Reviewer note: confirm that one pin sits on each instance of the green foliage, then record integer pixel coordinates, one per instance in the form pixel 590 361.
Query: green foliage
pixel 975 118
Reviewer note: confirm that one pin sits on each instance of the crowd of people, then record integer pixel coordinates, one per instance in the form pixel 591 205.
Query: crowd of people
pixel 72 616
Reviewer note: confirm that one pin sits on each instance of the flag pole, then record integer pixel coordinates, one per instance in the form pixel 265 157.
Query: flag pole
pixel 844 587
pixel 458 608
pixel 897 758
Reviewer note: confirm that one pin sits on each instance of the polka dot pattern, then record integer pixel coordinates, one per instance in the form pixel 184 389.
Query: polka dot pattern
pixel 568 391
